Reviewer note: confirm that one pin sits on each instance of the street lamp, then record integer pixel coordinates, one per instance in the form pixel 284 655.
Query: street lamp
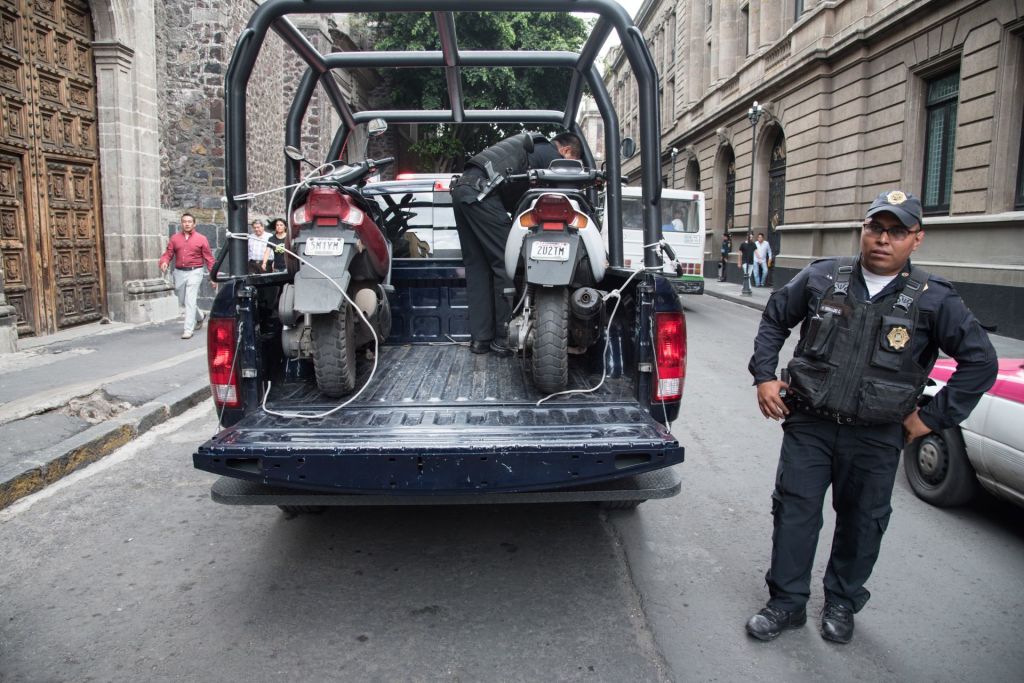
pixel 754 114
pixel 675 151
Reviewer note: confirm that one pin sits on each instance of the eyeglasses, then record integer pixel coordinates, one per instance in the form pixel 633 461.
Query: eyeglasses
pixel 897 233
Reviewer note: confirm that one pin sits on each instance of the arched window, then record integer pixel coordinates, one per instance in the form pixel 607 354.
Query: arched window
pixel 776 191
pixel 691 179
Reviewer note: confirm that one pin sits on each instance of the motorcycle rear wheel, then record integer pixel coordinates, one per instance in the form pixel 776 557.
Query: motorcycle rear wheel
pixel 550 361
pixel 334 352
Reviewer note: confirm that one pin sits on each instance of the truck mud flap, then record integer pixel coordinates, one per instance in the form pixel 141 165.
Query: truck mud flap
pixel 663 483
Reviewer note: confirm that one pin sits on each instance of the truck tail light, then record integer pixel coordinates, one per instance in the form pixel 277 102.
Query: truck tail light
pixel 221 343
pixel 670 354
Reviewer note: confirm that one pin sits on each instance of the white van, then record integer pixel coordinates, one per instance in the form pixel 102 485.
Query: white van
pixel 682 212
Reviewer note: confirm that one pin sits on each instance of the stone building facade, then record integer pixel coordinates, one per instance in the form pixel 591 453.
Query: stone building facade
pixel 116 106
pixel 859 96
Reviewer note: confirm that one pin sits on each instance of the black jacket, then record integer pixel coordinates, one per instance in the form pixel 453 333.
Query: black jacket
pixel 944 324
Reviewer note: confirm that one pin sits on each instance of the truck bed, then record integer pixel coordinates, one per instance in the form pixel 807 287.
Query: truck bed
pixel 442 374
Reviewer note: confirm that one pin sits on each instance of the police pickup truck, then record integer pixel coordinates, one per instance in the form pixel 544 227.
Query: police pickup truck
pixel 434 423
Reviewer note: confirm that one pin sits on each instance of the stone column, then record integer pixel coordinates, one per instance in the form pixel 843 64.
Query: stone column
pixel 130 176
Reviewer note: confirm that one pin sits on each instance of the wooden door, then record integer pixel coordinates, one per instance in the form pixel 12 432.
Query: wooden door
pixel 50 232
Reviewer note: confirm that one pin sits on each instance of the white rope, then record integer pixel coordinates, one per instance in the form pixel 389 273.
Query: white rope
pixel 614 294
pixel 376 344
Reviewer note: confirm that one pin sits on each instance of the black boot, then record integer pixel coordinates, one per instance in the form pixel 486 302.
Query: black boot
pixel 837 623
pixel 771 621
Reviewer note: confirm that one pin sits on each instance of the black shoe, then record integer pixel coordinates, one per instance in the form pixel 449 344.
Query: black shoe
pixel 499 349
pixel 837 623
pixel 480 346
pixel 771 621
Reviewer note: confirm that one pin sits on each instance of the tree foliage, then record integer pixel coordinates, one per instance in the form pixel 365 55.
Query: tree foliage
pixel 446 147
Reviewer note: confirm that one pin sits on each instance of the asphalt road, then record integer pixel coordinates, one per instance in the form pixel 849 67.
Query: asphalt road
pixel 127 571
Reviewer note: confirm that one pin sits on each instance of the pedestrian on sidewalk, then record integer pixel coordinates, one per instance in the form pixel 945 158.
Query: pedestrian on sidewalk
pixel 871 329
pixel 276 244
pixel 726 249
pixel 257 246
pixel 747 255
pixel 190 252
pixel 762 257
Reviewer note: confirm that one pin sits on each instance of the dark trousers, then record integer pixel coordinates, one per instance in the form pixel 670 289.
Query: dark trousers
pixel 860 463
pixel 483 228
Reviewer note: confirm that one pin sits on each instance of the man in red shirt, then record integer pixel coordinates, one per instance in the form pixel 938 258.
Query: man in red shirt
pixel 190 252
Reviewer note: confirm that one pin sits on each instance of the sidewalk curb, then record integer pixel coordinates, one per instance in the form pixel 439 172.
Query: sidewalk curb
pixel 75 452
pixel 741 300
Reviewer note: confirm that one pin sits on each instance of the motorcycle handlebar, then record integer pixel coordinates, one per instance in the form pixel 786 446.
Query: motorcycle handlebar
pixel 354 173
pixel 547 175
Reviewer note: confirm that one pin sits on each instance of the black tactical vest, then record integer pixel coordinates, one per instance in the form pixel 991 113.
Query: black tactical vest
pixel 854 362
pixel 509 155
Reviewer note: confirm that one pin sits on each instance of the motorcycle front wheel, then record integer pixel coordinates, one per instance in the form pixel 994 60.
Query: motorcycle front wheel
pixel 334 352
pixel 550 361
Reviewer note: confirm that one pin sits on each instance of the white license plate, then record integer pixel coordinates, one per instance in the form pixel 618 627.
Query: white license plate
pixel 324 246
pixel 549 251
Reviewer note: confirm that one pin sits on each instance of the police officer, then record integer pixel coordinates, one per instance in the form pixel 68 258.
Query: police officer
pixel 871 329
pixel 483 224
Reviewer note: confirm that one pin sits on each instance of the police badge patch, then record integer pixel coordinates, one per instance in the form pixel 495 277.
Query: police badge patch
pixel 896 197
pixel 897 337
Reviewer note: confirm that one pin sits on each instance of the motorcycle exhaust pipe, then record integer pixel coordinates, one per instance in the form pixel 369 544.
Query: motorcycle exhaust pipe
pixel 585 303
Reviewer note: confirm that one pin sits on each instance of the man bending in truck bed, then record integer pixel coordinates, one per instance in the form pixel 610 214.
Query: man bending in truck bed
pixel 484 225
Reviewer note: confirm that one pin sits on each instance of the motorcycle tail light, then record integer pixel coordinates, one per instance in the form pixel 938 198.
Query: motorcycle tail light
pixel 221 346
pixel 552 208
pixel 670 355
pixel 553 212
pixel 324 206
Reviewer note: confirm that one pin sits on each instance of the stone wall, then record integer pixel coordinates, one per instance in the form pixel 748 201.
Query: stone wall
pixel 194 46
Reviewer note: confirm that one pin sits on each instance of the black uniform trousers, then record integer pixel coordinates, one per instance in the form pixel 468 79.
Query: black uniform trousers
pixel 483 228
pixel 860 464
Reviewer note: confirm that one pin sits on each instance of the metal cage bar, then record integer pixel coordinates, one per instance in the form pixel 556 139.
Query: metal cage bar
pixel 271 15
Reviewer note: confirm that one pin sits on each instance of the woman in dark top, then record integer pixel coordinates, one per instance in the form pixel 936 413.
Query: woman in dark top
pixel 276 240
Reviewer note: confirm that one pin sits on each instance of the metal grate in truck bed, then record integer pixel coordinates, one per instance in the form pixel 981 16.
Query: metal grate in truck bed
pixel 429 375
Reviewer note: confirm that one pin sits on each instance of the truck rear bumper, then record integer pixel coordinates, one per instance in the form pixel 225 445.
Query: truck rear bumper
pixel 663 483
pixel 423 451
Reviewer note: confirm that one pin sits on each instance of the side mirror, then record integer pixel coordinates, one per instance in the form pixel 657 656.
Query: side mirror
pixel 294 153
pixel 628 148
pixel 376 127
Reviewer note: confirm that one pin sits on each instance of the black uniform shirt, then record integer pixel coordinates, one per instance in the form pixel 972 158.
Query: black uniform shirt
pixel 943 323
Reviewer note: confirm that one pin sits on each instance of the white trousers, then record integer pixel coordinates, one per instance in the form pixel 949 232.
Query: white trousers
pixel 186 286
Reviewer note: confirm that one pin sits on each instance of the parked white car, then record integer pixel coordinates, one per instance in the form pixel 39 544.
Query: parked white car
pixel 944 468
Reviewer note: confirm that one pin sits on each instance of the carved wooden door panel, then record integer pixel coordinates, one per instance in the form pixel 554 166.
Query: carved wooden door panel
pixel 47 86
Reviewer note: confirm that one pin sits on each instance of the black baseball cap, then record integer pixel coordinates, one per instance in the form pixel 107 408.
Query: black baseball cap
pixel 905 206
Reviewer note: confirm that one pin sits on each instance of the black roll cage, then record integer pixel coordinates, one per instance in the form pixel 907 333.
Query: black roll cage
pixel 272 15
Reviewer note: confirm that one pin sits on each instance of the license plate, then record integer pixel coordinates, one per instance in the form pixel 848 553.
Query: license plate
pixel 549 251
pixel 324 246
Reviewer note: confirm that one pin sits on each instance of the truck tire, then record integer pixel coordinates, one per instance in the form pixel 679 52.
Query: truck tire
pixel 334 353
pixel 550 361
pixel 938 470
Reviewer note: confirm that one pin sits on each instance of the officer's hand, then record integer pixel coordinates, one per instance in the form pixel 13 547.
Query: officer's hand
pixel 769 401
pixel 914 427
